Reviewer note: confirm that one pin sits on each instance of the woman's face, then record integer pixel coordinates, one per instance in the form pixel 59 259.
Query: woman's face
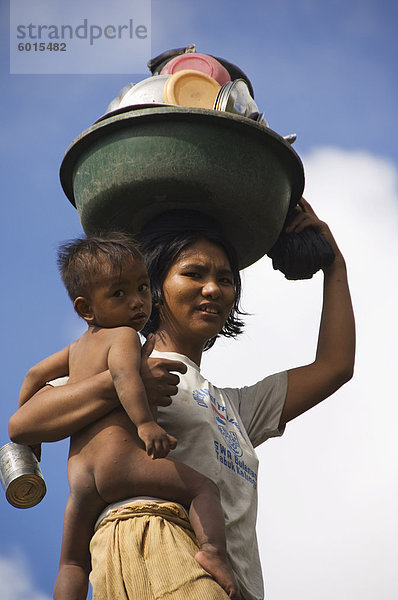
pixel 198 295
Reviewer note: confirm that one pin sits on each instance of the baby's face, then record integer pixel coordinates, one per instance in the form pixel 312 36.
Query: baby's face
pixel 122 298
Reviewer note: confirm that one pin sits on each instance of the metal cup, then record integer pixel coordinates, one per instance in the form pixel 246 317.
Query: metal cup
pixel 21 476
pixel 234 97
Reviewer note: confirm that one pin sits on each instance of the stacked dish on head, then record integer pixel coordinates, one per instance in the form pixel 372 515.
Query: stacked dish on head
pixel 192 80
pixel 188 138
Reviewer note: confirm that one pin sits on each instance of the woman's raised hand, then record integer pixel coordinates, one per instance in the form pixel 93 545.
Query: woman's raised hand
pixel 304 216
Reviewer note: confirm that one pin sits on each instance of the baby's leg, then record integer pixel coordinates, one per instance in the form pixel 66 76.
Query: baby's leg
pixel 82 510
pixel 168 479
pixel 207 520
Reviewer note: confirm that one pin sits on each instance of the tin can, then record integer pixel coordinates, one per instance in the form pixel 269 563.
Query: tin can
pixel 21 476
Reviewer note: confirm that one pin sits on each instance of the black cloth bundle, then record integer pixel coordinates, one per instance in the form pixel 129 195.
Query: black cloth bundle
pixel 301 255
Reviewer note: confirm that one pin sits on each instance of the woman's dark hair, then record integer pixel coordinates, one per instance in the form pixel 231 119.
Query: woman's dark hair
pixel 161 250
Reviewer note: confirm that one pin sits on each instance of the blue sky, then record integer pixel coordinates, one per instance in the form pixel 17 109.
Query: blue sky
pixel 326 70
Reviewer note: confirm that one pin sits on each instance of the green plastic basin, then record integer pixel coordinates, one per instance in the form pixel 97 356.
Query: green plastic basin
pixel 130 167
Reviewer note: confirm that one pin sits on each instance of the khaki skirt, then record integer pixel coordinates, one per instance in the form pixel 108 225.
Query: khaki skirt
pixel 145 551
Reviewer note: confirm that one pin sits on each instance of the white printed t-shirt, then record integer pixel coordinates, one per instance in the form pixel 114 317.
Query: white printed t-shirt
pixel 217 430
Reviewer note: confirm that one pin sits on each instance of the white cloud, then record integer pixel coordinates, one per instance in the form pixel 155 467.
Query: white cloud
pixel 16 579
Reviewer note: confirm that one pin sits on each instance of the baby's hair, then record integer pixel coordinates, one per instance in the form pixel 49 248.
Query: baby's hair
pixel 82 258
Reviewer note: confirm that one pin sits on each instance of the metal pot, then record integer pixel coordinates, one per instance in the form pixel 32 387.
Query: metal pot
pixel 144 92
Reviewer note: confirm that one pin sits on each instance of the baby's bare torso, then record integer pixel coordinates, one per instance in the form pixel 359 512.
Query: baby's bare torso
pixel 102 456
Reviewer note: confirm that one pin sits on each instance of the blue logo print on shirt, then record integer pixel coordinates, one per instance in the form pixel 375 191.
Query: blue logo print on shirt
pixel 222 419
pixel 232 440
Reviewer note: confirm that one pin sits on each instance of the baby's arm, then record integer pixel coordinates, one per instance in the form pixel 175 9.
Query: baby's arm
pixel 124 361
pixel 50 368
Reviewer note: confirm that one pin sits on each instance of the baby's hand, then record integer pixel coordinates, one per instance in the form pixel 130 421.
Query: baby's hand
pixel 157 442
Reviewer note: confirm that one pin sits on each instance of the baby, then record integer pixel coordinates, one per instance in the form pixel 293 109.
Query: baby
pixel 112 459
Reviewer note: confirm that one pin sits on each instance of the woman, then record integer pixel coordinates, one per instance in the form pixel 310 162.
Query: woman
pixel 196 286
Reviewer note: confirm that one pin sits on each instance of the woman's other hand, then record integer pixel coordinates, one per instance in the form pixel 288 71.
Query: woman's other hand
pixel 158 375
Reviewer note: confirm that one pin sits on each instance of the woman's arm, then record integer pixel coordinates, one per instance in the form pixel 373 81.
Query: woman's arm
pixel 334 362
pixel 55 413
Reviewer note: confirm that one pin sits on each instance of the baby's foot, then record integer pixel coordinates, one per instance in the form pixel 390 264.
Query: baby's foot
pixel 216 563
